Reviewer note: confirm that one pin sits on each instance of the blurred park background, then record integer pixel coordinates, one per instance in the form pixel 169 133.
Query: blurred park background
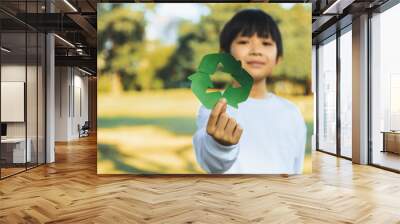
pixel 146 110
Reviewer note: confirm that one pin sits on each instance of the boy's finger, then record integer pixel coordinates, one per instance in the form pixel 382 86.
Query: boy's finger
pixel 237 133
pixel 222 121
pixel 230 127
pixel 216 111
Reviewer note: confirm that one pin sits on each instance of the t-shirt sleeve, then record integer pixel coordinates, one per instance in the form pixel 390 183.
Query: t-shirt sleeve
pixel 301 136
pixel 211 155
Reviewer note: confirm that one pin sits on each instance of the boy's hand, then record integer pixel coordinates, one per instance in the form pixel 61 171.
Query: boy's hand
pixel 221 127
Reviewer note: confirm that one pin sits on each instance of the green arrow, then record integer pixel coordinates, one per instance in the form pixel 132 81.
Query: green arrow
pixel 200 83
pixel 201 80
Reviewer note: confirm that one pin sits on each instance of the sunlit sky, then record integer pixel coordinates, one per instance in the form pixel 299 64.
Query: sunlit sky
pixel 163 23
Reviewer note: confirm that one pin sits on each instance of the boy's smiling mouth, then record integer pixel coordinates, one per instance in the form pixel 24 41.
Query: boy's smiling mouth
pixel 255 63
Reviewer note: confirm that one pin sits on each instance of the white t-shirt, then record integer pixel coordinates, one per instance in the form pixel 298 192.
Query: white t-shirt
pixel 273 139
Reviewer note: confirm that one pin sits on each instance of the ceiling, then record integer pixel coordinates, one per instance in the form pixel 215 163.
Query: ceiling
pixel 75 21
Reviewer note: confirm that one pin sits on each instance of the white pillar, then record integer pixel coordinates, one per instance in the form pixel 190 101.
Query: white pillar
pixel 360 89
pixel 50 110
pixel 50 93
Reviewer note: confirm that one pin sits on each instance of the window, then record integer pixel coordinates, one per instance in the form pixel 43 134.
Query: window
pixel 346 92
pixel 327 95
pixel 385 89
pixel 22 77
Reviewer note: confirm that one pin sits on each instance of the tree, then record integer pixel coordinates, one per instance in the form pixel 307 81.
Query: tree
pixel 120 32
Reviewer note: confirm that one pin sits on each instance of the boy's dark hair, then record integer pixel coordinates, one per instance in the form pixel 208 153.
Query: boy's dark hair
pixel 248 22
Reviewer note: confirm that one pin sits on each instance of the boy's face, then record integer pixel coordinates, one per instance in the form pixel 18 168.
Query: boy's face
pixel 257 55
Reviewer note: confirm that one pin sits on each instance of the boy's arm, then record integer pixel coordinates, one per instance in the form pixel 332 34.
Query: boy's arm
pixel 212 156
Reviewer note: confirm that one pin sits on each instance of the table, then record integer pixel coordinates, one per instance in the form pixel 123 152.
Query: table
pixel 391 141
pixel 17 151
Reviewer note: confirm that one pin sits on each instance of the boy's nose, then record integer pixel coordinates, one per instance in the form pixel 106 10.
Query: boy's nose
pixel 254 50
pixel 255 53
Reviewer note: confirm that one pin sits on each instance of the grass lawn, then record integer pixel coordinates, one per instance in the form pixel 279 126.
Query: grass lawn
pixel 151 132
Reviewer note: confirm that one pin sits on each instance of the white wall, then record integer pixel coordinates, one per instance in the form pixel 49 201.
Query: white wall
pixel 13 73
pixel 71 94
pixel 32 127
pixel 61 103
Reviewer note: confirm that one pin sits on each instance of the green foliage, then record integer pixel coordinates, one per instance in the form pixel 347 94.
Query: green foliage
pixel 142 64
pixel 119 32
pixel 296 34
pixel 123 50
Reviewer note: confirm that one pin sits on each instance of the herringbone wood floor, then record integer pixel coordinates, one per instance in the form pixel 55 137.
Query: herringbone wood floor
pixel 69 191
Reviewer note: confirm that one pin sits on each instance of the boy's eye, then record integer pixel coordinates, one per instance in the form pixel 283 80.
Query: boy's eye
pixel 267 43
pixel 242 42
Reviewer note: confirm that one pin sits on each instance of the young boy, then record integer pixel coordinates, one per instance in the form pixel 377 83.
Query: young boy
pixel 267 133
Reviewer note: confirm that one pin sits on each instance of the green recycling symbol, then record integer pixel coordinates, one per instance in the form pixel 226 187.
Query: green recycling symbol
pixel 201 80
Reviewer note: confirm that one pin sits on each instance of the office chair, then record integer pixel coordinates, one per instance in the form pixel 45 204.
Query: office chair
pixel 84 130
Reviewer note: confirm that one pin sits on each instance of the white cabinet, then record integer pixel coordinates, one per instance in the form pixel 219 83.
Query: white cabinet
pixel 18 149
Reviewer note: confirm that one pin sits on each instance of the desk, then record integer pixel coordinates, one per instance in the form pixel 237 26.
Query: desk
pixel 391 141
pixel 18 151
